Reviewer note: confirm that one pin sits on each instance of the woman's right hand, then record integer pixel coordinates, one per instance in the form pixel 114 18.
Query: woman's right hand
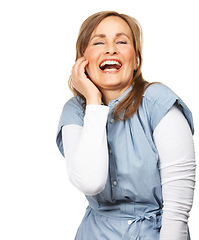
pixel 83 84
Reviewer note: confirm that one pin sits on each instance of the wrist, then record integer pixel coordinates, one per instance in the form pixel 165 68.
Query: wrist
pixel 94 100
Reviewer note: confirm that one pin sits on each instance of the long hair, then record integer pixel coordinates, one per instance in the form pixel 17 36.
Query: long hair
pixel 132 101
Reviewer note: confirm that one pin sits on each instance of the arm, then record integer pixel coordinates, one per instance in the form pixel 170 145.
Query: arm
pixel 86 151
pixel 85 148
pixel 175 146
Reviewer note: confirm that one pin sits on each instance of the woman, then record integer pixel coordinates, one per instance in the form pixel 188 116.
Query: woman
pixel 128 144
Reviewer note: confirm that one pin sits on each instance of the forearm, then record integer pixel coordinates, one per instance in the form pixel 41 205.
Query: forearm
pixel 174 143
pixel 86 151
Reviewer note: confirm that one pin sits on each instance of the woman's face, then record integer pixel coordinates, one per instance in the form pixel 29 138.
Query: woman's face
pixel 111 55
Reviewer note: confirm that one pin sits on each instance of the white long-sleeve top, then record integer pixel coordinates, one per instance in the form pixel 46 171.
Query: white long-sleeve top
pixel 82 145
pixel 174 142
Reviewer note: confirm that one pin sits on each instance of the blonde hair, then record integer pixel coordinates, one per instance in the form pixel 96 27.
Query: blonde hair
pixel 132 101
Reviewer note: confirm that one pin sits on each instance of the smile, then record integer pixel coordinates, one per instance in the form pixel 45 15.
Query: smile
pixel 110 66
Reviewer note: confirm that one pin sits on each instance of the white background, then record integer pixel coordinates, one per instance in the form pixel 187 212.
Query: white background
pixel 37 52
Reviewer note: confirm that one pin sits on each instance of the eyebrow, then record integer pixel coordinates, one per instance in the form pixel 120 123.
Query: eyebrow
pixel 122 34
pixel 103 35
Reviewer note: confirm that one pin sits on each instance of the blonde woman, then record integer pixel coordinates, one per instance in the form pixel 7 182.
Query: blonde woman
pixel 128 144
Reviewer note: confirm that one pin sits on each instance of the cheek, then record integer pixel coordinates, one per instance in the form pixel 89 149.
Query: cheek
pixel 130 55
pixel 131 59
pixel 92 57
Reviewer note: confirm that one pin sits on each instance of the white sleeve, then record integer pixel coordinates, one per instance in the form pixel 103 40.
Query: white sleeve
pixel 86 152
pixel 174 142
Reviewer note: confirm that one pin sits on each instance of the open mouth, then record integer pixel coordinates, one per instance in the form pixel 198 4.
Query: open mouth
pixel 110 65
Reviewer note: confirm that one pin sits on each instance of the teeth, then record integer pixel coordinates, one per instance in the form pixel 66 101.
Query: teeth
pixel 110 62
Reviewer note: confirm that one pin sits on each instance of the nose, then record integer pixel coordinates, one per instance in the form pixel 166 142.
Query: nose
pixel 111 52
pixel 111 49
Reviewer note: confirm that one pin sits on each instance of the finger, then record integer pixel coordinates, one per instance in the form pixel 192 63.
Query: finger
pixel 77 64
pixel 82 69
pixel 78 71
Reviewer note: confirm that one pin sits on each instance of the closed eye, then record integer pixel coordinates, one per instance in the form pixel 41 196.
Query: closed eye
pixel 121 42
pixel 98 43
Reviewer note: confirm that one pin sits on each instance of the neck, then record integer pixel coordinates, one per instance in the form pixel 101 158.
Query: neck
pixel 113 94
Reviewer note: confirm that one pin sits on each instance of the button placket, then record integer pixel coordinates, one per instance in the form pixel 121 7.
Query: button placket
pixel 115 189
pixel 113 174
pixel 115 183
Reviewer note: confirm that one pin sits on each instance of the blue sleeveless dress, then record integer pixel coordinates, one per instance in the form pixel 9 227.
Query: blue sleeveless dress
pixel 130 206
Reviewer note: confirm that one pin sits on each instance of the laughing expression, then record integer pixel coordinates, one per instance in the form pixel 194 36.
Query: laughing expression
pixel 111 55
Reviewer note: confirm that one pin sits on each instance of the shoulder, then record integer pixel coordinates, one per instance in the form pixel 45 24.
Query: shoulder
pixel 156 102
pixel 157 92
pixel 158 99
pixel 73 112
pixel 75 104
